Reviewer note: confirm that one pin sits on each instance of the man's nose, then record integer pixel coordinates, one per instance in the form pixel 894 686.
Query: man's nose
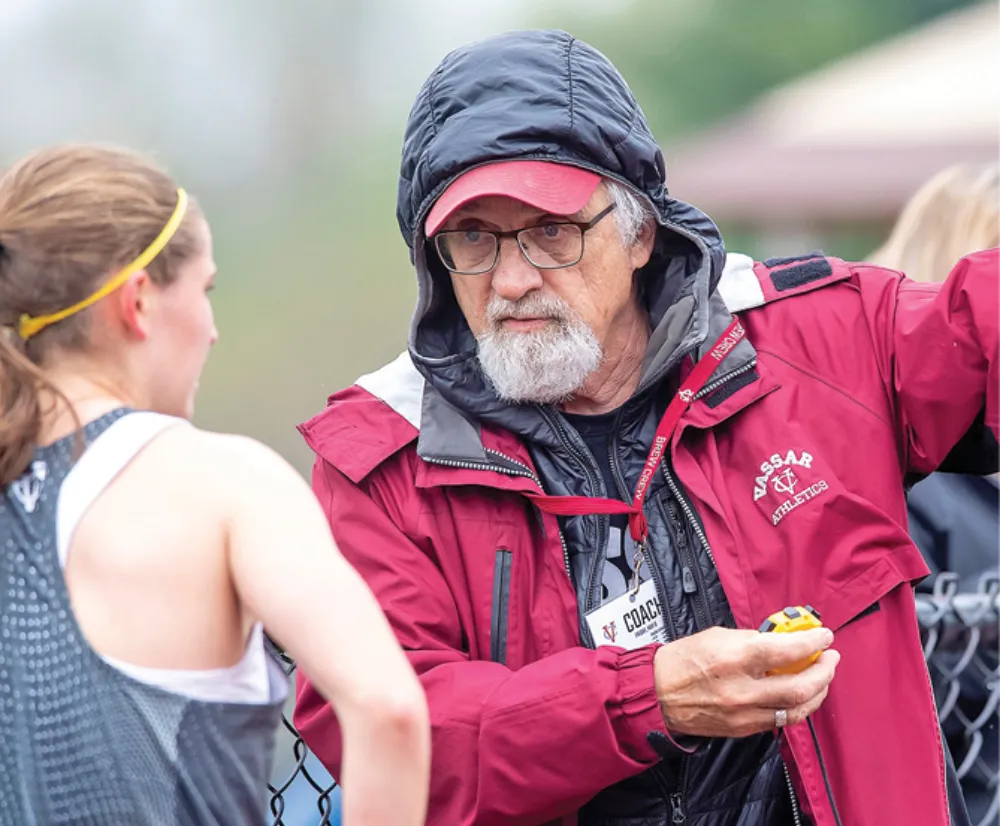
pixel 514 276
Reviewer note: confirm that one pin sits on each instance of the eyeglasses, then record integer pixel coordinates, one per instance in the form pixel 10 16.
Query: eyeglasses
pixel 548 246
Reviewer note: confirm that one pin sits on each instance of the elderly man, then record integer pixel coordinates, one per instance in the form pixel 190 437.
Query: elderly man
pixel 604 463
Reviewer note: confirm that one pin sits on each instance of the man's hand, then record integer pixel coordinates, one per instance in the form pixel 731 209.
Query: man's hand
pixel 715 683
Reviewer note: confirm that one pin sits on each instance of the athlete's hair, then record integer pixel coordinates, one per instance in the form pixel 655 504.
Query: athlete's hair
pixel 70 217
pixel 954 213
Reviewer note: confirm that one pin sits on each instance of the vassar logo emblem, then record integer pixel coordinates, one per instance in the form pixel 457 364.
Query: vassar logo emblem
pixel 778 475
pixel 609 632
pixel 785 482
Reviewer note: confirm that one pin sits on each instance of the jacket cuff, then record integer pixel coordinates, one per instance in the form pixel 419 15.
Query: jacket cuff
pixel 637 689
pixel 639 709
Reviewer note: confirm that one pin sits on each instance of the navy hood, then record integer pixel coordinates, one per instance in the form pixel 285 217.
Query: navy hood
pixel 543 95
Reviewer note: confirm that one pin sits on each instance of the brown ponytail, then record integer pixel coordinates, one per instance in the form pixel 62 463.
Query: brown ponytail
pixel 70 217
pixel 20 407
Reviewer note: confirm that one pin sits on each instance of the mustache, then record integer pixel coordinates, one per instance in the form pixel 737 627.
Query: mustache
pixel 531 306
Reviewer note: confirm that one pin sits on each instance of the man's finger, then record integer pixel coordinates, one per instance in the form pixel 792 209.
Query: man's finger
pixel 795 714
pixel 787 691
pixel 775 649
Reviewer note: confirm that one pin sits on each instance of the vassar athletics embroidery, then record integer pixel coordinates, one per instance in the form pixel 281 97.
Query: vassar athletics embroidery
pixel 778 476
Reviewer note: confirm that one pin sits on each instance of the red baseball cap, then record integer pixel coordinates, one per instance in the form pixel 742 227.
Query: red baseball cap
pixel 552 187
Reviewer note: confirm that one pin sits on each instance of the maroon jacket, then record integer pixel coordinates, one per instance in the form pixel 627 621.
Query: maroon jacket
pixel 861 378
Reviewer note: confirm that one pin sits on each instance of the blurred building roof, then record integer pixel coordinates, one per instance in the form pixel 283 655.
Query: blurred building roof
pixel 852 141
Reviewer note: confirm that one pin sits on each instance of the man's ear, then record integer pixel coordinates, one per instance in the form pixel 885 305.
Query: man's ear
pixel 642 249
pixel 133 304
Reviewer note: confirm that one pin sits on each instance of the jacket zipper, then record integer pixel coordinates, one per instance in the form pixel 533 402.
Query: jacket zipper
pixel 677 808
pixel 501 605
pixel 796 814
pixel 692 582
pixel 675 489
pixel 677 813
pixel 524 471
pixel 592 598
pixel 692 579
pixel 715 385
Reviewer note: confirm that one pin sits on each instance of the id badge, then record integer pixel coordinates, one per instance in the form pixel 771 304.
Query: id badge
pixel 629 621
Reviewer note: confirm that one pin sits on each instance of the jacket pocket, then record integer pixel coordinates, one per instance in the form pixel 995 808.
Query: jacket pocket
pixel 871 609
pixel 862 596
pixel 501 606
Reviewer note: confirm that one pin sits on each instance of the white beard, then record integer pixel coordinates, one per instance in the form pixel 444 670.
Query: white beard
pixel 546 366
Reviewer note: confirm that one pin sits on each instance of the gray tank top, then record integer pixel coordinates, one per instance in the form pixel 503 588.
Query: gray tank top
pixel 81 742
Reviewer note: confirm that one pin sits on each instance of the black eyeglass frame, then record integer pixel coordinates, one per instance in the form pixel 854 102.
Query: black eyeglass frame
pixel 583 226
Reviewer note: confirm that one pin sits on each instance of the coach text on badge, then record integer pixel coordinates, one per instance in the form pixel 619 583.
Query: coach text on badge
pixel 629 621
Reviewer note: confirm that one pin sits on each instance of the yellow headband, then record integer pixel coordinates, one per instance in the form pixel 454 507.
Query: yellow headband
pixel 29 326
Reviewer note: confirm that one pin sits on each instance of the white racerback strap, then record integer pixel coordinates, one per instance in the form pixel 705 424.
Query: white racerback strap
pixel 107 456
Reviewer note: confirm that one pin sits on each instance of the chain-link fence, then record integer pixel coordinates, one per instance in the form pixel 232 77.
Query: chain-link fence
pixel 959 632
pixel 305 779
pixel 960 644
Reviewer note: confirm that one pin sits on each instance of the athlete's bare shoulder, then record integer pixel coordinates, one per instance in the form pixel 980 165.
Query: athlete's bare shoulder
pixel 228 465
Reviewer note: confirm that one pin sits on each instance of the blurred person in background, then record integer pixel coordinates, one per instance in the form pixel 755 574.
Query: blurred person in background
pixel 586 485
pixel 955 518
pixel 141 558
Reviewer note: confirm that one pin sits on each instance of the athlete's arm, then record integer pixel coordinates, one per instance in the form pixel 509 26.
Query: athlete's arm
pixel 290 575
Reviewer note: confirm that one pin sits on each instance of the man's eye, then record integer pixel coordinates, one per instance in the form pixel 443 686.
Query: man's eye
pixel 551 230
pixel 472 236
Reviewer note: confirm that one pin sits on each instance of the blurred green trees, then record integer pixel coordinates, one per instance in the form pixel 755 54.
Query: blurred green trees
pixel 692 62
pixel 315 286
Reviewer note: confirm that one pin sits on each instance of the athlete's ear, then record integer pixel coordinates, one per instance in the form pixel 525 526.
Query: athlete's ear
pixel 133 303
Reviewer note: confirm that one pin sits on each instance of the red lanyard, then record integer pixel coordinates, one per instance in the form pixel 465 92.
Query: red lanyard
pixel 638 527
